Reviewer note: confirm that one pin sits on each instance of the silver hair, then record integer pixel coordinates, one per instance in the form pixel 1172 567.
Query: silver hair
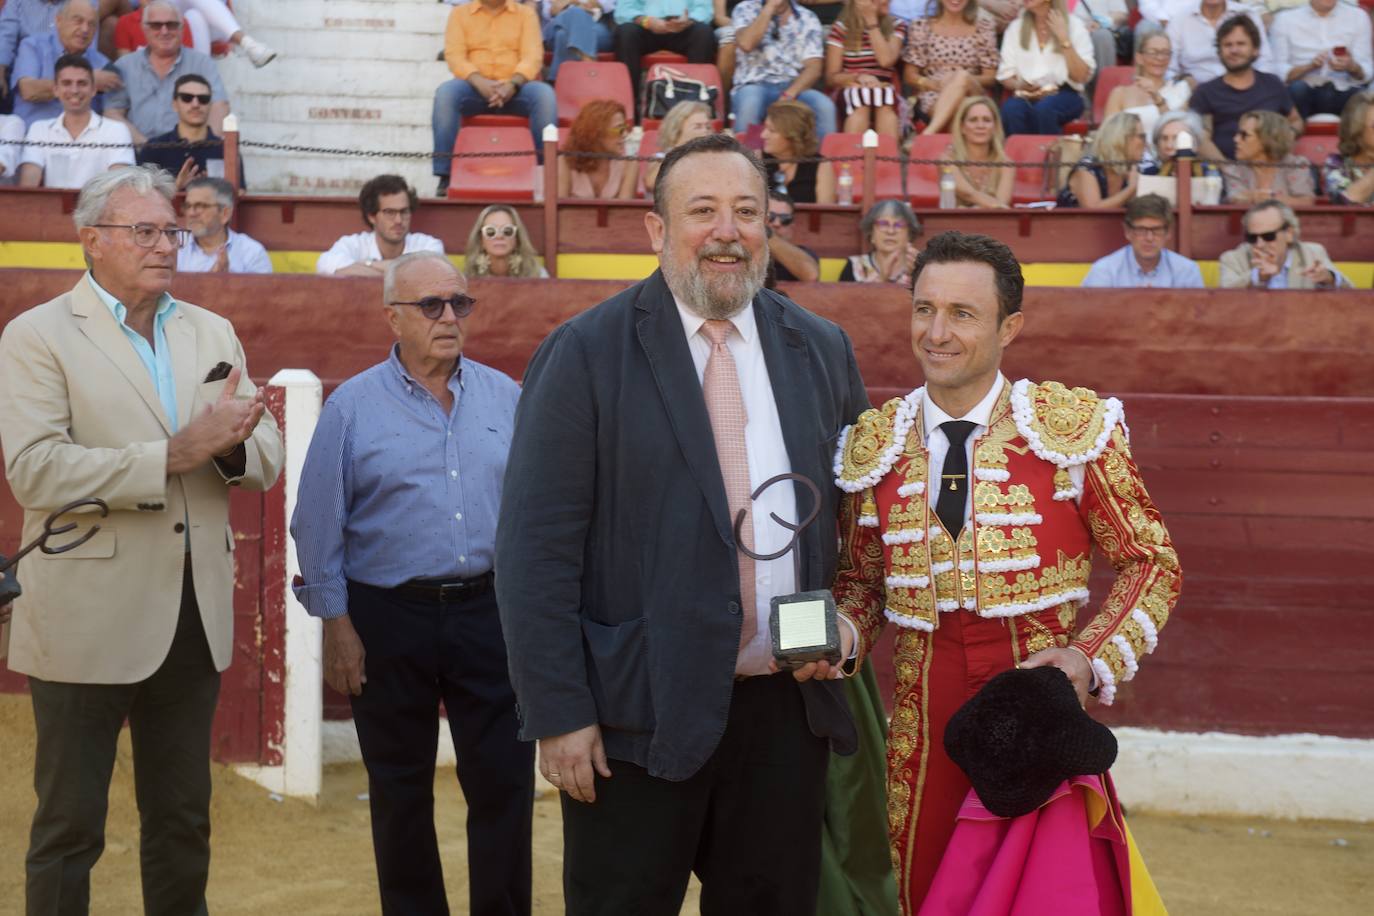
pixel 143 17
pixel 1190 120
pixel 394 269
pixel 96 193
pixel 68 4
pixel 224 191
pixel 899 208
pixel 1289 217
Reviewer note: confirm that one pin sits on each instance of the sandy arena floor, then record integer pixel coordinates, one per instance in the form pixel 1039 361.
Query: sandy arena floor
pixel 289 857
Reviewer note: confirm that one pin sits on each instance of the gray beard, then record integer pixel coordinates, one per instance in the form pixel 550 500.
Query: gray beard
pixel 723 300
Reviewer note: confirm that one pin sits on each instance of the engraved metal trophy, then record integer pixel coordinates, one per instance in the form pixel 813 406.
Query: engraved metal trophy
pixel 802 625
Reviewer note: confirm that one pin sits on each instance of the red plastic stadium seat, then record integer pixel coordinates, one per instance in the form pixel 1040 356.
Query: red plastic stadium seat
pixel 661 57
pixel 582 81
pixel 888 181
pixel 1107 80
pixel 497 177
pixel 1316 147
pixel 923 181
pixel 496 120
pixel 1078 127
pixel 1321 127
pixel 1030 180
pixel 704 73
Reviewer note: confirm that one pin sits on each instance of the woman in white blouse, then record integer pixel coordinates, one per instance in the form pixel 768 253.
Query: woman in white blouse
pixel 1047 57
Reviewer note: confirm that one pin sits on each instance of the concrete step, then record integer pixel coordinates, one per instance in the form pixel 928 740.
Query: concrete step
pixel 355 79
pixel 328 50
pixel 254 108
pixel 343 15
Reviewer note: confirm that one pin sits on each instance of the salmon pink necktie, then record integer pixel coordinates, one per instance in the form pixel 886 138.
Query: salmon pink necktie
pixel 725 404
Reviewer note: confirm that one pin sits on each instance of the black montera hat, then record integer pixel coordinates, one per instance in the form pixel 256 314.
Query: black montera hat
pixel 1022 735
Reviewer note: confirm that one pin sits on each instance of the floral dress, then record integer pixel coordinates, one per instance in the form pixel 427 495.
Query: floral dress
pixel 937 55
pixel 1339 175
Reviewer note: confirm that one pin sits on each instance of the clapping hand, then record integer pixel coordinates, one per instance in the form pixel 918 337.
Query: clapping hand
pixel 219 429
pixel 189 172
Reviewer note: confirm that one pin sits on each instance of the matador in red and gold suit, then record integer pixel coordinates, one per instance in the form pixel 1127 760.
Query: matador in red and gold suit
pixel 1052 476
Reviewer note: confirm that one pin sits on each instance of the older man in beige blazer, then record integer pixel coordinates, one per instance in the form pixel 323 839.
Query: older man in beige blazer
pixel 1273 257
pixel 117 390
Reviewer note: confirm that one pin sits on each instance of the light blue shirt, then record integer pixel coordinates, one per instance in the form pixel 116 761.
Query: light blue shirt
pixel 157 359
pixel 37 55
pixel 20 19
pixel 696 10
pixel 246 256
pixel 394 489
pixel 1121 269
pixel 146 98
pixel 1280 279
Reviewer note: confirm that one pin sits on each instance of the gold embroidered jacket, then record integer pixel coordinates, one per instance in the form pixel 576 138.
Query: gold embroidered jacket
pixel 1051 477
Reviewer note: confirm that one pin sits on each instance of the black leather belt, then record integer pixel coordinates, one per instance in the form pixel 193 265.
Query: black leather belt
pixel 441 592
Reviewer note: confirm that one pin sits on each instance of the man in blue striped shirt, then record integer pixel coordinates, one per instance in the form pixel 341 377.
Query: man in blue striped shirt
pixel 395 528
pixel 1145 261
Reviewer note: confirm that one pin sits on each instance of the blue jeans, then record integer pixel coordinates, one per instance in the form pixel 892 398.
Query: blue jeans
pixel 750 104
pixel 534 100
pixel 1047 116
pixel 574 32
pixel 1323 99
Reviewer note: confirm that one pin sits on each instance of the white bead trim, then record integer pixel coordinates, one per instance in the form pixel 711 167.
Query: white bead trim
pixel 1147 627
pixel 1127 657
pixel 1063 496
pixel 1024 414
pixel 947 605
pixel 915 488
pixel 1027 607
pixel 907 581
pixel 945 566
pixel 996 475
pixel 1010 564
pixel 970 604
pixel 901 426
pixel 1008 518
pixel 904 536
pixel 868 521
pixel 906 620
pixel 1106 692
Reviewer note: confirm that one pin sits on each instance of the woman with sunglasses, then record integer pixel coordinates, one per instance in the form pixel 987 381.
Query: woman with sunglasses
pixel 1265 167
pixel 600 129
pixel 890 227
pixel 499 246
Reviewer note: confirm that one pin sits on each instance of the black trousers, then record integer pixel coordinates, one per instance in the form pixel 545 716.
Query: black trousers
pixel 78 726
pixel 697 42
pixel 748 823
pixel 420 652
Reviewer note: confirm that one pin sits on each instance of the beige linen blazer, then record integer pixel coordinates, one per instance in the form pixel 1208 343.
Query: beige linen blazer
pixel 79 417
pixel 1235 265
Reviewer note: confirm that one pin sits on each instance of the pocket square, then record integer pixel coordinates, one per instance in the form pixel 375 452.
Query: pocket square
pixel 219 372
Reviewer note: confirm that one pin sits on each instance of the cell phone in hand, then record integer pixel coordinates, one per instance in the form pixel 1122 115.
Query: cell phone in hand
pixel 1339 51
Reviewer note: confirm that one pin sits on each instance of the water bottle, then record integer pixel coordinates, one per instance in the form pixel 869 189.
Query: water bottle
pixel 947 199
pixel 633 140
pixel 1211 183
pixel 844 192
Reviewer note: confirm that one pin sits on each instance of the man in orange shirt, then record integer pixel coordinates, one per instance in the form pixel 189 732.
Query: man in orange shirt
pixel 495 49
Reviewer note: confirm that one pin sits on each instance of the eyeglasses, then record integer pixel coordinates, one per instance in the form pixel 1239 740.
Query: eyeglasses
pixel 189 97
pixel 432 307
pixel 1159 53
pixel 1244 134
pixel 162 25
pixel 146 234
pixel 1253 237
pixel 504 231
pixel 196 208
pixel 782 219
pixel 619 130
pixel 889 225
pixel 1154 232
pixel 395 214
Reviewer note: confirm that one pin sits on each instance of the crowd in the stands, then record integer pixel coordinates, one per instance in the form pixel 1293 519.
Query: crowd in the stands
pixel 1231 82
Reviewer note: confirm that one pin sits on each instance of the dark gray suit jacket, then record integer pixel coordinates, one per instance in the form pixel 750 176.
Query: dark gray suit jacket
pixel 615 560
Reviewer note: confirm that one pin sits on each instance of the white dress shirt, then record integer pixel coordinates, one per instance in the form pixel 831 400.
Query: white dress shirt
pixel 72 167
pixel 11 147
pixel 1043 66
pixel 1299 35
pixel 767 458
pixel 937 443
pixel 362 246
pixel 246 256
pixel 1194 41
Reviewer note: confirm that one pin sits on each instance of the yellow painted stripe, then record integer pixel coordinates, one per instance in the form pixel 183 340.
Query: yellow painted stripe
pixel 67 255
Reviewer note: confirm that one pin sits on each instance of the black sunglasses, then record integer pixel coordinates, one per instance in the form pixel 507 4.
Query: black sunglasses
pixel 432 307
pixel 189 97
pixel 1253 237
pixel 782 219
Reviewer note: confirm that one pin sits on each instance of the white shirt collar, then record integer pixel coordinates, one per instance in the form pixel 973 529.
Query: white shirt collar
pixel 981 414
pixel 743 320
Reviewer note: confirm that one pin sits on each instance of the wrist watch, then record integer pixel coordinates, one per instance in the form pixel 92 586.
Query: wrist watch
pixel 370 263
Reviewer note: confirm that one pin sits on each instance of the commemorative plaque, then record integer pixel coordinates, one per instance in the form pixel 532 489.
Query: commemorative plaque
pixel 802 625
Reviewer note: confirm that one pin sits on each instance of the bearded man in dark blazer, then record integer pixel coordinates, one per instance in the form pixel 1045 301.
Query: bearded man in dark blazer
pixel 637 630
